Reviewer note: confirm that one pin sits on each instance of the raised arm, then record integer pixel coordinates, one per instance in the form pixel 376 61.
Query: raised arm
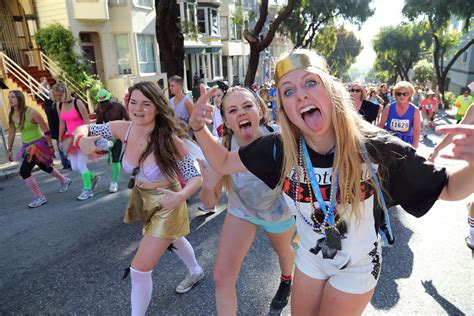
pixel 220 159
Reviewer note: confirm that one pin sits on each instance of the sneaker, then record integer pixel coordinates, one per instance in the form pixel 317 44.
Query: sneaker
pixel 205 209
pixel 113 187
pixel 470 241
pixel 37 202
pixel 95 182
pixel 65 185
pixel 85 194
pixel 188 282
pixel 282 295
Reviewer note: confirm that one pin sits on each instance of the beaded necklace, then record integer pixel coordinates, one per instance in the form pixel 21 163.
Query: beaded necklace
pixel 329 214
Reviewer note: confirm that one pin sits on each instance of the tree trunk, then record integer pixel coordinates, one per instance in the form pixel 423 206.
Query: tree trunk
pixel 169 37
pixel 256 44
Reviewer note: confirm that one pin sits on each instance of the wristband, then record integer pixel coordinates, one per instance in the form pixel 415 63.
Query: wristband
pixel 47 133
pixel 9 149
pixel 50 146
pixel 197 130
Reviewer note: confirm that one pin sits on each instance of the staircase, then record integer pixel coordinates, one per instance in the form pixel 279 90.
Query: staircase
pixel 37 75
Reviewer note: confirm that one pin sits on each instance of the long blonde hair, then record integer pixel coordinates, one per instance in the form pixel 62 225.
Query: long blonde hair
pixel 349 129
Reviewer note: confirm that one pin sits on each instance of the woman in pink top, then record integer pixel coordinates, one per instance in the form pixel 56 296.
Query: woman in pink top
pixel 72 114
pixel 429 106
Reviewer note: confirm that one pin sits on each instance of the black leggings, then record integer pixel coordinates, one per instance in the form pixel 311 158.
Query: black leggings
pixel 116 151
pixel 26 167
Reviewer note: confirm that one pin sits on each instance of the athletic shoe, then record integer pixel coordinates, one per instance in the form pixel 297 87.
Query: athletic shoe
pixel 65 185
pixel 85 194
pixel 113 187
pixel 95 182
pixel 205 209
pixel 188 282
pixel 37 202
pixel 282 295
pixel 470 241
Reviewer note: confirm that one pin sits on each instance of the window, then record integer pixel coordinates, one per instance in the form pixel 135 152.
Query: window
pixel 123 54
pixel 213 21
pixel 201 20
pixel 217 65
pixel 143 3
pixel 146 53
pixel 19 29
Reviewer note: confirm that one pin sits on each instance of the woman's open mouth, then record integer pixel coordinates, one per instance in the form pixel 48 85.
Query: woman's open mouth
pixel 311 115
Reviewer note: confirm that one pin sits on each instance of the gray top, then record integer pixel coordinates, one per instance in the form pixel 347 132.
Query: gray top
pixel 250 197
pixel 180 109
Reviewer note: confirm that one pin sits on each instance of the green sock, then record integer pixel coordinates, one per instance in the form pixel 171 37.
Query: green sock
pixel 115 172
pixel 87 180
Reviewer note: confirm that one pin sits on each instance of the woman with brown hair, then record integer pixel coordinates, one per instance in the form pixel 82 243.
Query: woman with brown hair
pixel 154 155
pixel 37 146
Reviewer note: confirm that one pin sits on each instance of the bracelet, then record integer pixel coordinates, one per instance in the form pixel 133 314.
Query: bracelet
pixel 77 140
pixel 197 130
pixel 9 149
pixel 50 146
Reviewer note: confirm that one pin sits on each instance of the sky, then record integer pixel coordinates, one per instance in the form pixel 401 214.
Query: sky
pixel 387 12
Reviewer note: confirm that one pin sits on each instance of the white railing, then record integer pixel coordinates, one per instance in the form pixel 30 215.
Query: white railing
pixel 60 74
pixel 12 68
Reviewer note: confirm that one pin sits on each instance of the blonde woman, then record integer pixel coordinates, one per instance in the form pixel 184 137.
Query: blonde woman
pixel 402 118
pixel 328 162
pixel 251 204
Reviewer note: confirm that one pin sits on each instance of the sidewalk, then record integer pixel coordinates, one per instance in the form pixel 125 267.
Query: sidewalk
pixel 10 170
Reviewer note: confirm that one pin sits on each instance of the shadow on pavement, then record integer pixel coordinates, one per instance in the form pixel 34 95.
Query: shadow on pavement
pixel 444 303
pixel 397 264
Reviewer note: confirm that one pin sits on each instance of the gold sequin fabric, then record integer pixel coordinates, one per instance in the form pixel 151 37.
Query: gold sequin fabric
pixel 145 205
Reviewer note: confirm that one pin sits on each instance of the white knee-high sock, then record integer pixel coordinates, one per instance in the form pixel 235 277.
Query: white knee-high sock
pixel 185 252
pixel 142 286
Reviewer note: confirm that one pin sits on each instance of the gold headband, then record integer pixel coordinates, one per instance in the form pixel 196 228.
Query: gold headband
pixel 297 59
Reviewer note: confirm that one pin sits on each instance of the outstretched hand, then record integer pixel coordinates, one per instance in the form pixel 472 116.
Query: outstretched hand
pixel 202 111
pixel 463 141
pixel 87 144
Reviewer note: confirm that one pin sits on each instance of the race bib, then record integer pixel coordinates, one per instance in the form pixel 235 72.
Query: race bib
pixel 400 125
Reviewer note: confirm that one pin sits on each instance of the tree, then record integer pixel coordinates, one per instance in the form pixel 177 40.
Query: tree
pixel 439 13
pixel 423 70
pixel 400 47
pixel 348 47
pixel 169 36
pixel 258 42
pixel 311 15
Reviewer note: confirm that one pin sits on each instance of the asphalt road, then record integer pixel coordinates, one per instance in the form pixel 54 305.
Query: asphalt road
pixel 67 257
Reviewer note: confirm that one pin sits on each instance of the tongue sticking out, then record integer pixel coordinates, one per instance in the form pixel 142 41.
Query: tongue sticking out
pixel 247 132
pixel 313 120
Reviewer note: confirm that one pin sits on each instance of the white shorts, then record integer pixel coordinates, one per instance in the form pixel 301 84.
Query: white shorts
pixel 355 278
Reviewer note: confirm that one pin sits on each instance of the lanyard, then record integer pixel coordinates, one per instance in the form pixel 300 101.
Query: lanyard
pixel 329 214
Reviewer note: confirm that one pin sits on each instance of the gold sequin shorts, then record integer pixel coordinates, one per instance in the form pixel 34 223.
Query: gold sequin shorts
pixel 145 205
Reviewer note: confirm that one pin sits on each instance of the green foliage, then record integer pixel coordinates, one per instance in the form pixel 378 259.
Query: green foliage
pixel 58 43
pixel 449 99
pixel 325 40
pixel 310 15
pixel 439 11
pixel 348 47
pixel 423 70
pixel 399 47
pixel 189 29
pixel 238 16
pixel 93 84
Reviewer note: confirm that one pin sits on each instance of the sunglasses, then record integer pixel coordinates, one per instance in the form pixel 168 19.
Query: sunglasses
pixel 355 90
pixel 131 182
pixel 405 94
